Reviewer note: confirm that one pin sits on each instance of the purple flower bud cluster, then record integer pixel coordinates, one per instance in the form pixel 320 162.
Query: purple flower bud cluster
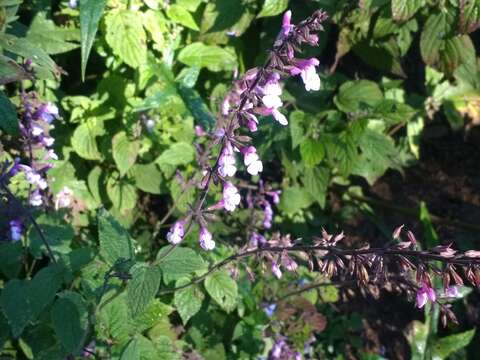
pixel 257 93
pixel 281 350
pixel 35 125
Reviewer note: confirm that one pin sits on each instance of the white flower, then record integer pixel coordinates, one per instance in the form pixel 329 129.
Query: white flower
pixel 206 241
pixel 176 233
pixel 252 161
pixel 306 69
pixel 231 197
pixel 227 162
pixel 36 198
pixel 64 198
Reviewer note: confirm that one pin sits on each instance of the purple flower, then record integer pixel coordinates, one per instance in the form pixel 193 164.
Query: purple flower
pixel 306 69
pixel 47 112
pixel 276 270
pixel 272 91
pixel 16 229
pixel 227 162
pixel 206 241
pixel 270 309
pixel 231 197
pixel 452 292
pixel 257 239
pixel 199 131
pixel 425 293
pixel 286 25
pixel 275 194
pixel 267 215
pixel 36 198
pixel 252 161
pixel 176 232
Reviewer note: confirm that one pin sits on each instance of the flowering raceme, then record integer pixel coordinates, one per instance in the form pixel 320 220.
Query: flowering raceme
pixel 257 93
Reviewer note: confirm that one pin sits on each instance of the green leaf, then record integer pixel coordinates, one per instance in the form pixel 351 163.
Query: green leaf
pixel 358 95
pixel 155 313
pixel 430 234
pixel 179 153
pixel 58 233
pixel 51 38
pixel 436 29
pixel 24 300
pixel 122 194
pixel 8 119
pixel 273 8
pixel 197 107
pixel 312 152
pixel 115 242
pixel 180 262
pixel 457 51
pixel 417 338
pixel 126 36
pixel 414 133
pixel 69 323
pixel 181 16
pixel 316 182
pixel 124 152
pixel 297 132
pixel 11 255
pixel 44 66
pixel 294 199
pixel 90 13
pixel 403 10
pixel 223 289
pixel 142 287
pixel 84 142
pixel 469 19
pixel 114 321
pixel 148 178
pixel 187 301
pixel 131 351
pixel 447 345
pixel 212 57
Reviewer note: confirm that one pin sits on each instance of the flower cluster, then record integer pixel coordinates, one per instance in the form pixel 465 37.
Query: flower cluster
pixel 257 93
pixel 281 350
pixel 35 125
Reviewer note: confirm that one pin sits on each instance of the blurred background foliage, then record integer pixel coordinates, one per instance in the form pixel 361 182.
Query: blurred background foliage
pixel 390 135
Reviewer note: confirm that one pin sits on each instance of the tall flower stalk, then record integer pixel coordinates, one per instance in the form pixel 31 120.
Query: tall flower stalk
pixel 257 93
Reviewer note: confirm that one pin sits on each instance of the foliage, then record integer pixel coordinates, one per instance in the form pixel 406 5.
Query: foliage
pixel 138 83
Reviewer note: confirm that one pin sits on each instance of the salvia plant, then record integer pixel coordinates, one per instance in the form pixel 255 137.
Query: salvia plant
pixel 139 222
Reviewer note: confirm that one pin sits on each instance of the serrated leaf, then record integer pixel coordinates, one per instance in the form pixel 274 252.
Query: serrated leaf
pixel 212 57
pixel 24 300
pixel 434 32
pixel 180 15
pixel 84 140
pixel 469 19
pixel 58 233
pixel 447 345
pixel 148 178
pixel 223 289
pixel 294 199
pixel 179 263
pixel 51 38
pixel 142 287
pixel 8 118
pixel 124 152
pixel 155 313
pixel 187 301
pixel 114 321
pixel 316 182
pixel 403 10
pixel 197 107
pixel 358 95
pixel 115 242
pixel 44 66
pixel 273 8
pixel 312 152
pixel 126 36
pixel 179 153
pixel 90 13
pixel 296 127
pixel 69 323
pixel 122 193
pixel 456 51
